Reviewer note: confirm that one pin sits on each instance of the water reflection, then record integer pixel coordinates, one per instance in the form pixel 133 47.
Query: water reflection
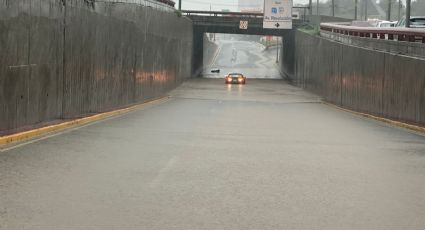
pixel 234 89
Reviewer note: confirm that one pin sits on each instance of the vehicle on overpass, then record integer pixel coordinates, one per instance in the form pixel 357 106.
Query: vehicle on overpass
pixel 415 22
pixel 235 78
pixel 386 24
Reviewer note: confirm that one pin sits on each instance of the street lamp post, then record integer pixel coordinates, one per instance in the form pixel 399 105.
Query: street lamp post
pixel 408 13
pixel 180 5
pixel 365 9
pixel 310 10
pixel 355 9
pixel 317 8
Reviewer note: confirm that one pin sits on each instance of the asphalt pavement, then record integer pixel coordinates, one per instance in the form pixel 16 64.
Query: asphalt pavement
pixel 265 155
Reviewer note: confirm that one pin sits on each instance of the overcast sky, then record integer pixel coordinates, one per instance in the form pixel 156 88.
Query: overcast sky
pixel 216 5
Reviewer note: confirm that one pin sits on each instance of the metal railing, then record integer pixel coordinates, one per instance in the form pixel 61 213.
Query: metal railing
pixel 400 41
pixel 392 34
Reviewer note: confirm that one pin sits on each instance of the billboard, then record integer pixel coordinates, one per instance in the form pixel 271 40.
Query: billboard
pixel 277 14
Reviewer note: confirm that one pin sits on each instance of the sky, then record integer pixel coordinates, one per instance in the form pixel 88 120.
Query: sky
pixel 216 5
pixel 232 5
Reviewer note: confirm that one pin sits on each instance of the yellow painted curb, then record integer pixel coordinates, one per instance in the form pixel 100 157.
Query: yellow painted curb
pixel 5 140
pixel 381 119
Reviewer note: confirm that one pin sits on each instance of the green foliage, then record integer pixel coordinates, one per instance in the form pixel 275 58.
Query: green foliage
pixel 178 13
pixel 310 29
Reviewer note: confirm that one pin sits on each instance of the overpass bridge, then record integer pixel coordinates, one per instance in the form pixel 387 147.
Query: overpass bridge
pixel 228 22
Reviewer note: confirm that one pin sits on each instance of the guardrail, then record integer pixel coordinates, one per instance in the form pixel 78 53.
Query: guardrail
pixel 393 34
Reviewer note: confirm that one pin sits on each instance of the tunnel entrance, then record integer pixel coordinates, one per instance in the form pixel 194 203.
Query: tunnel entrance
pixel 254 56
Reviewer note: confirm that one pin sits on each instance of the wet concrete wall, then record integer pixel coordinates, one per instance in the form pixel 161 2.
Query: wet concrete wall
pixel 360 79
pixel 62 59
pixel 198 52
pixel 209 51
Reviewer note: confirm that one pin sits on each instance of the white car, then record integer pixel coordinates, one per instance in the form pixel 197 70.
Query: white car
pixel 415 22
pixel 386 24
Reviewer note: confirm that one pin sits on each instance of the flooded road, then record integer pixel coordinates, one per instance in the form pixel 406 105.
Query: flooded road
pixel 265 155
pixel 247 57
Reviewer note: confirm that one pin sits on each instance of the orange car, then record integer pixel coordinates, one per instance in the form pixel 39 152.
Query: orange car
pixel 235 78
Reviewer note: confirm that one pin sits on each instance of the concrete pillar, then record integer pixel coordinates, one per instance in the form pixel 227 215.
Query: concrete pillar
pixel 198 52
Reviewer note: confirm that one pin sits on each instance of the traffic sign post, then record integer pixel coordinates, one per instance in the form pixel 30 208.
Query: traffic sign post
pixel 277 14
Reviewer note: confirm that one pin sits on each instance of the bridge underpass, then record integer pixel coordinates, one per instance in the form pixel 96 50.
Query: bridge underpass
pixel 266 155
pixel 228 23
pixel 241 54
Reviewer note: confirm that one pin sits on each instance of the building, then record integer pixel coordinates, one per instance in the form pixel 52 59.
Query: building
pixel 251 5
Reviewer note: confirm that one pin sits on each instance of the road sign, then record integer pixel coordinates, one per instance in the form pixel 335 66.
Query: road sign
pixel 243 25
pixel 277 14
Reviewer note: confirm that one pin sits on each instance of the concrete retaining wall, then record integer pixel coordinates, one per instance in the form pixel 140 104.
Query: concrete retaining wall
pixel 209 52
pixel 360 79
pixel 60 61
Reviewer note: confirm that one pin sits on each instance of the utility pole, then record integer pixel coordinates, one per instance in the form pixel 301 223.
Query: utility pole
pixel 399 9
pixel 310 10
pixel 180 5
pixel 389 11
pixel 333 8
pixel 317 8
pixel 408 13
pixel 365 9
pixel 356 2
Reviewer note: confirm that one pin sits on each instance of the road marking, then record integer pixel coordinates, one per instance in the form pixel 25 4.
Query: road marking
pixel 56 134
pixel 162 173
pixel 52 129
